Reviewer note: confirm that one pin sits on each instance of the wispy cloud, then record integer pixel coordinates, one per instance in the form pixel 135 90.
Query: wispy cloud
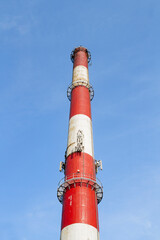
pixel 40 220
pixel 16 23
pixel 135 214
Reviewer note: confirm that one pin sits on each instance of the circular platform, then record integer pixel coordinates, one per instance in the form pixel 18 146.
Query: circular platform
pixel 66 182
pixel 80 48
pixel 80 83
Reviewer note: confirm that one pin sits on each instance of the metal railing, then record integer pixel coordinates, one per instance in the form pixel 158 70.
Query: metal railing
pixel 85 180
pixel 80 83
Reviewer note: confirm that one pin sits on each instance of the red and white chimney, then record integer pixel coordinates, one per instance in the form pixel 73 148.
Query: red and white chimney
pixel 79 191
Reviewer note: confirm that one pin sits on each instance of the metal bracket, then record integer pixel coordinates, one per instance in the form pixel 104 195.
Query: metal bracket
pixel 98 165
pixel 61 166
pixel 79 147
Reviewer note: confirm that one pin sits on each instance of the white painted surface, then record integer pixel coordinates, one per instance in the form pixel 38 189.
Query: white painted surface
pixel 79 231
pixel 83 123
pixel 80 73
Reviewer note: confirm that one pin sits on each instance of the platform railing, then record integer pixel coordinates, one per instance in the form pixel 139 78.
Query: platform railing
pixel 83 179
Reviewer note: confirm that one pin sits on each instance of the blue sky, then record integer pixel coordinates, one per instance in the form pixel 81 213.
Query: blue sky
pixel 36 38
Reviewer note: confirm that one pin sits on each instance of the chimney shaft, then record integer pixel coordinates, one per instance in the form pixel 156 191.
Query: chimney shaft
pixel 79 191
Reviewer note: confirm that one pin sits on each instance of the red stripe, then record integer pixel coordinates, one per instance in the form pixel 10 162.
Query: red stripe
pixel 80 101
pixel 80 206
pixel 81 58
pixel 80 201
pixel 81 162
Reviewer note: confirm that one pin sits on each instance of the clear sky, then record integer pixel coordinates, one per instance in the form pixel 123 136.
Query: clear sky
pixel 36 38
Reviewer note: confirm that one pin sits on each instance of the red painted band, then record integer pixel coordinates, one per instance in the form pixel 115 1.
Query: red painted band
pixel 80 163
pixel 80 206
pixel 81 58
pixel 80 101
pixel 80 201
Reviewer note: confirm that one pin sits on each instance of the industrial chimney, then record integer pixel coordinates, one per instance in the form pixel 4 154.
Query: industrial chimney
pixel 79 191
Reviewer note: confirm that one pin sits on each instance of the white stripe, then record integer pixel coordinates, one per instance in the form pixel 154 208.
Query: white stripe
pixel 79 231
pixel 84 124
pixel 80 73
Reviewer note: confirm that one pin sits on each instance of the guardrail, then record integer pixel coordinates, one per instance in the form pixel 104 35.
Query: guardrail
pixel 86 180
